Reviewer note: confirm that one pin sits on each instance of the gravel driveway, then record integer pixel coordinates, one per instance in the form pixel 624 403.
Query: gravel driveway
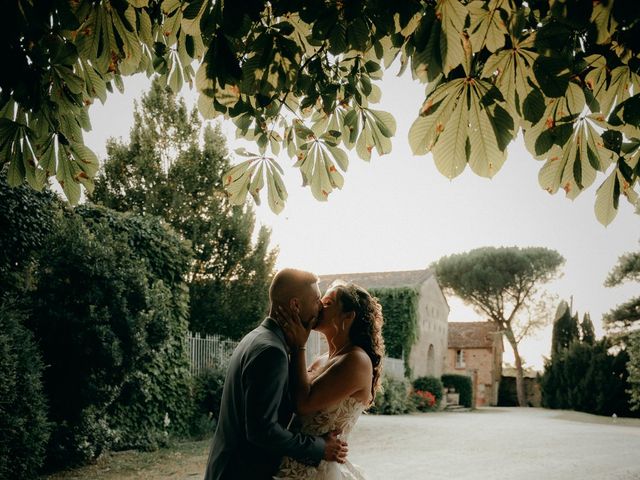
pixel 497 443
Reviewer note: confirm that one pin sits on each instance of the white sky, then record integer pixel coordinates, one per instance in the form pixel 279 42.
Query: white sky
pixel 399 213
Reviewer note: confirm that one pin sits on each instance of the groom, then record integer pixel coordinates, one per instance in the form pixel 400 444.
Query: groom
pixel 251 437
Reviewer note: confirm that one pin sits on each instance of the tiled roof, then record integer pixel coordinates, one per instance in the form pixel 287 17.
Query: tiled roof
pixel 408 278
pixel 472 334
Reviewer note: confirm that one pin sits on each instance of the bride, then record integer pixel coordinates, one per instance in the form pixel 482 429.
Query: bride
pixel 339 385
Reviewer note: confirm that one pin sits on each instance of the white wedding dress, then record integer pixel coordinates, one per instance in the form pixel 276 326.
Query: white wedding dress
pixel 342 417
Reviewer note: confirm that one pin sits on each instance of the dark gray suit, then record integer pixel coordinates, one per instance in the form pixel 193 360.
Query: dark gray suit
pixel 251 437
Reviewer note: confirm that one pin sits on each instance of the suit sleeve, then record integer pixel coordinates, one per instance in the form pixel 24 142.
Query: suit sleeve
pixel 265 380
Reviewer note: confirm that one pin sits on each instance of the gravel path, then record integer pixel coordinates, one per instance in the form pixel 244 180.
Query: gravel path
pixel 486 444
pixel 497 443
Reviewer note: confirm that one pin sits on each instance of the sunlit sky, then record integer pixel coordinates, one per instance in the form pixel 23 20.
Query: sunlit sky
pixel 397 212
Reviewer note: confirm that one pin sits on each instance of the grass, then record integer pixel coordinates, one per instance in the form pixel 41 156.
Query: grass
pixel 182 460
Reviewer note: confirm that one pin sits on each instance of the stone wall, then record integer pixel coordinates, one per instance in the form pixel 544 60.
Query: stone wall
pixel 508 396
pixel 479 364
pixel 428 355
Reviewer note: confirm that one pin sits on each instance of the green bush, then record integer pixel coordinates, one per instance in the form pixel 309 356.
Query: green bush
pixel 24 430
pixel 393 399
pixel 432 385
pixel 110 312
pixel 207 394
pixel 462 384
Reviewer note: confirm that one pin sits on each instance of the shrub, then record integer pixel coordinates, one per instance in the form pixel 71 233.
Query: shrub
pixel 432 385
pixel 110 311
pixel 24 430
pixel 423 401
pixel 207 394
pixel 393 399
pixel 462 384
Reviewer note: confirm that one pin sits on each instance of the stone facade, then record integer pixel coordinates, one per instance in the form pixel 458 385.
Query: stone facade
pixel 429 353
pixel 475 349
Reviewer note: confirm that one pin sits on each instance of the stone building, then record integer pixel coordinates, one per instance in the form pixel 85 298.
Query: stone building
pixel 475 349
pixel 428 354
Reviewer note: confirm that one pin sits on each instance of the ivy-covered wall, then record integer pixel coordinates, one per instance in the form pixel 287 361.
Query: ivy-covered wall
pixel 400 310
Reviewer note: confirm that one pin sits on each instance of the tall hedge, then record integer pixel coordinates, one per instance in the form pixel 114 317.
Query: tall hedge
pixel 400 330
pixel 110 312
pixel 463 385
pixel 588 378
pixel 24 429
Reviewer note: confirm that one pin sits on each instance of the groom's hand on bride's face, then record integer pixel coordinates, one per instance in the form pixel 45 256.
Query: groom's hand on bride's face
pixel 335 450
pixel 295 332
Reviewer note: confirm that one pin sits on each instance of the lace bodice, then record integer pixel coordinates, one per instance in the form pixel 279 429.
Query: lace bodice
pixel 342 417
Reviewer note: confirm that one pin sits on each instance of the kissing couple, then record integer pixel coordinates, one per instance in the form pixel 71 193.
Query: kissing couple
pixel 268 381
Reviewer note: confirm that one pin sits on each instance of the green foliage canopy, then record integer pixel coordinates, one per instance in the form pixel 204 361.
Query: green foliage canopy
pixel 498 281
pixel 301 77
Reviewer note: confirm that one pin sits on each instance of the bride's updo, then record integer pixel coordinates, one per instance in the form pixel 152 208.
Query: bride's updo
pixel 366 329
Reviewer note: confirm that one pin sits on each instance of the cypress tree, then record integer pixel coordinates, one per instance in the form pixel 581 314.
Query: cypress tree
pixel 565 330
pixel 588 332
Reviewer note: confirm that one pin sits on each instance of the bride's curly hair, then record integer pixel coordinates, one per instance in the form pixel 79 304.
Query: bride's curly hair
pixel 366 330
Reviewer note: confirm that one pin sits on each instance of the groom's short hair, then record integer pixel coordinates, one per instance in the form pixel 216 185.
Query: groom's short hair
pixel 288 282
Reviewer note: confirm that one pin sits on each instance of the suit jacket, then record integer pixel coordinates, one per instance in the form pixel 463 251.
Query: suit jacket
pixel 251 436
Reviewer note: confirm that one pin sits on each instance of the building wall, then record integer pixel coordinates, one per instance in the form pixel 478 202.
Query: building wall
pixel 479 364
pixel 429 353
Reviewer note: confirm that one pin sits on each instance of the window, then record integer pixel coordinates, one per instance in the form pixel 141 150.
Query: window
pixel 459 358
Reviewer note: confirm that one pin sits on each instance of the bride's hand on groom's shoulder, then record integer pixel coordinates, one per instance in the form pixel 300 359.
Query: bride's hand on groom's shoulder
pixel 296 334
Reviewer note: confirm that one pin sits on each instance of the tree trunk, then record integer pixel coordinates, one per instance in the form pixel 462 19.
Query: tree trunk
pixel 522 399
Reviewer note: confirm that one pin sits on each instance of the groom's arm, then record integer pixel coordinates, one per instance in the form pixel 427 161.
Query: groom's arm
pixel 265 379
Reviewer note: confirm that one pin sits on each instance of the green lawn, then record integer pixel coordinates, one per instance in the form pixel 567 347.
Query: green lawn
pixel 179 461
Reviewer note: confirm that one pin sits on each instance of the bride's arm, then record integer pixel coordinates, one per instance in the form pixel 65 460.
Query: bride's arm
pixel 349 375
